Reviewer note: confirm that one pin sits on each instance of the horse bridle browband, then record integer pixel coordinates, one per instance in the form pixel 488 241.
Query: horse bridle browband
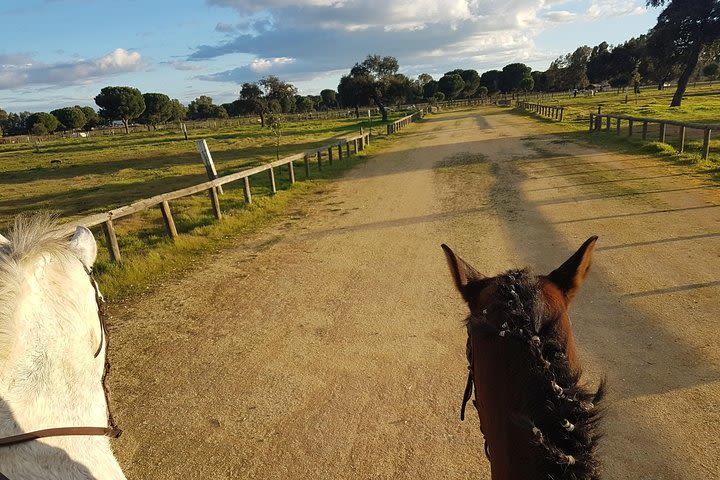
pixel 112 430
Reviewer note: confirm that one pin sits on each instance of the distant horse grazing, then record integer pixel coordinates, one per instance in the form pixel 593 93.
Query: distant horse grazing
pixel 538 421
pixel 53 408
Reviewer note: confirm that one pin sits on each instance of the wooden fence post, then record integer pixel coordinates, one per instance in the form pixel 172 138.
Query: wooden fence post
pixel 607 127
pixel 706 144
pixel 682 138
pixel 618 125
pixel 645 129
pixel 111 240
pixel 339 151
pixel 630 127
pixel 271 173
pixel 292 172
pixel 215 200
pixel 592 121
pixel 208 162
pixel 246 190
pixel 662 132
pixel 562 109
pixel 319 159
pixel 361 142
pixel 168 218
pixel 347 148
pixel 330 155
pixel 307 165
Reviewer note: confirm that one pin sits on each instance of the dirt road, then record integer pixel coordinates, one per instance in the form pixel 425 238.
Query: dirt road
pixel 332 347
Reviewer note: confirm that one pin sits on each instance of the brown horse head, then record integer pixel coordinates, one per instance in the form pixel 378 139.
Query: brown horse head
pixel 538 421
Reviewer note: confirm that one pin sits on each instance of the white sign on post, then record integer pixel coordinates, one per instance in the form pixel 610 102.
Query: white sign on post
pixel 208 162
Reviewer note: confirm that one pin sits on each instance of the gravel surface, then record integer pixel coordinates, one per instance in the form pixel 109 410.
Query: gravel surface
pixel 331 346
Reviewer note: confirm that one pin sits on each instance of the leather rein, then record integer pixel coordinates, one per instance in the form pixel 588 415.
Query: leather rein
pixel 112 430
pixel 469 391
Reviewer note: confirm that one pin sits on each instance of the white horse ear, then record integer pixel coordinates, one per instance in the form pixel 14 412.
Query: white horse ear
pixel 83 245
pixel 3 240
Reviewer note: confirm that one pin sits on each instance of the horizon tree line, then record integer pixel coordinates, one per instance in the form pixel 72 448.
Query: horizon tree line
pixel 685 43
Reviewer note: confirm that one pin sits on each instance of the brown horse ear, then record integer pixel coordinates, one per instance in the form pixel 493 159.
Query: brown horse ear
pixel 461 271
pixel 571 274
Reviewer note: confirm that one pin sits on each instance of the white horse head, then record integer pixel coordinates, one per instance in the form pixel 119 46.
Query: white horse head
pixel 52 354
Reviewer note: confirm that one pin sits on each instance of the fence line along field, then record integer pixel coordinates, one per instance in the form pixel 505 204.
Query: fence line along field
pixel 701 105
pixel 76 177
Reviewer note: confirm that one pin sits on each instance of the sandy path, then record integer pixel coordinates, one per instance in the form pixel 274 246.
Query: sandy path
pixel 332 347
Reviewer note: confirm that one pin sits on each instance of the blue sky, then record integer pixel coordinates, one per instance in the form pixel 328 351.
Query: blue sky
pixel 58 53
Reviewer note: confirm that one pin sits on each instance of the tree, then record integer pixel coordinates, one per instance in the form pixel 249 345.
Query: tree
pixel 16 123
pixel 329 98
pixel 281 92
pixel 430 89
pixel 660 62
pixel 70 118
pixel 472 82
pixel 400 88
pixel 424 78
pixel 158 109
pixel 92 119
pixel 378 80
pixel 252 101
pixel 121 103
pixel 304 103
pixel 451 85
pixel 512 75
pixel 711 70
pixel 355 91
pixel 491 80
pixel 178 111
pixel 42 123
pixel 540 79
pixel 577 67
pixel 481 92
pixel 526 84
pixel 695 25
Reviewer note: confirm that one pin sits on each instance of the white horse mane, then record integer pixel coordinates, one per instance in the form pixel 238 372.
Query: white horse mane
pixel 50 376
pixel 30 238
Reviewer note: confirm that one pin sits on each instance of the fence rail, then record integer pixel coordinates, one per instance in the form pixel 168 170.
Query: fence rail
pixel 351 145
pixel 403 122
pixel 596 121
pixel 550 111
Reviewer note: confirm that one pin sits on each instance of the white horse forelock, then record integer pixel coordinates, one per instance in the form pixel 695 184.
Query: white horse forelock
pixel 49 377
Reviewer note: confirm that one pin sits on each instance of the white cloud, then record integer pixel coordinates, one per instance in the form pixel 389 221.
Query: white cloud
pixel 19 74
pixel 263 65
pixel 560 16
pixel 186 66
pixel 614 8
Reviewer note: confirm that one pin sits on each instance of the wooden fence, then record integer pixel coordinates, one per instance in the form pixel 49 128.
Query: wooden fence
pixel 350 145
pixel 550 111
pixel 596 123
pixel 403 122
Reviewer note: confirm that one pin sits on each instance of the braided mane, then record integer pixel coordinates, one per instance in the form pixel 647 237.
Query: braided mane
pixel 564 424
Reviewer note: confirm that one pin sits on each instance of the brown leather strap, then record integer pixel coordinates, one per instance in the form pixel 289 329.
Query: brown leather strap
pixel 59 432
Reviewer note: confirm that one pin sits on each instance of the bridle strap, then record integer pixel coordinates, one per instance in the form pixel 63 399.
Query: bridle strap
pixel 467 394
pixel 59 432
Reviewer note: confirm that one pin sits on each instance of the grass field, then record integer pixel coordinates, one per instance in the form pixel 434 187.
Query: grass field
pixel 99 173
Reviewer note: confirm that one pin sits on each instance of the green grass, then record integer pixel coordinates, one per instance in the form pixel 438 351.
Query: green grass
pixel 100 173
